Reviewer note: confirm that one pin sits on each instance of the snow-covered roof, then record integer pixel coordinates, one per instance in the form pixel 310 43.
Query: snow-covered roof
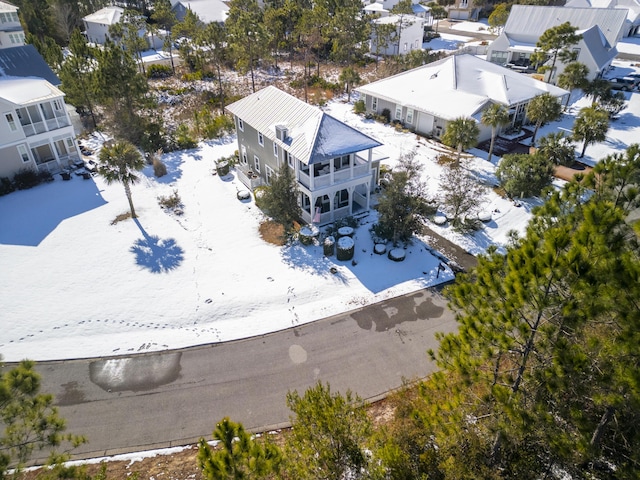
pixel 107 16
pixel 598 46
pixel 632 6
pixel 22 91
pixel 395 19
pixel 7 7
pixel 208 11
pixel 25 61
pixel 526 21
pixel 312 135
pixel 458 86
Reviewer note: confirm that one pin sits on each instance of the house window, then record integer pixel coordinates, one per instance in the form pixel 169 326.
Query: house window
pixel 398 112
pixel 499 57
pixel 260 139
pixel 240 125
pixel 409 118
pixel 270 173
pixel 70 143
pixel 289 159
pixel 374 104
pixel 23 153
pixel 342 199
pixel 405 46
pixel 256 163
pixel 275 149
pixel 16 38
pixel 11 121
pixel 464 3
pixel 341 162
pixel 244 156
pixel 57 105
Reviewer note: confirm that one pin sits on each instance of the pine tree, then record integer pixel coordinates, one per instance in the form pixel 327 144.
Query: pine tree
pixel 404 204
pixel 280 199
pixel 522 175
pixel 239 456
pixel 349 77
pixel 329 433
pixel 556 42
pixel 30 421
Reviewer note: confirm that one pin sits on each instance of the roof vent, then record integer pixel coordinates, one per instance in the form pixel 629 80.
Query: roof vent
pixel 281 132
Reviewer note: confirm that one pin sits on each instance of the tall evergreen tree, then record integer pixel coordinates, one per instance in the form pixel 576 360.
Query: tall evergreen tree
pixel 214 38
pixel 165 18
pixel 404 204
pixel 280 200
pixel 349 77
pixel 556 43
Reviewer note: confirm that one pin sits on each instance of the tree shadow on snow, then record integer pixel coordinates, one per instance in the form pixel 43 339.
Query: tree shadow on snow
pixel 155 254
pixel 312 260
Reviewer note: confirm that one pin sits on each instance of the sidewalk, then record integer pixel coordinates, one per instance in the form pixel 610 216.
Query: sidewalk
pixel 450 250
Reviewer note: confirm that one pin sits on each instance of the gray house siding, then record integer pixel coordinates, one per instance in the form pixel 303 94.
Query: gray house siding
pixel 250 148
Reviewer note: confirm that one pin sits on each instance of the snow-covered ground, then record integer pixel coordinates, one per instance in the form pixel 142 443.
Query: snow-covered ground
pixel 75 285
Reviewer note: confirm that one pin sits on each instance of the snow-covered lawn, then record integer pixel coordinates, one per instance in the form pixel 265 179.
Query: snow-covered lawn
pixel 75 285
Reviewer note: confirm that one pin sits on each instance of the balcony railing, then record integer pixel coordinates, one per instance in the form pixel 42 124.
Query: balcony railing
pixel 342 175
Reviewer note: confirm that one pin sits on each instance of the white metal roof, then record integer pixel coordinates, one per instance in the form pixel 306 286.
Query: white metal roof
pixel 208 11
pixel 458 86
pixel 7 7
pixel 106 16
pixel 312 135
pixel 22 91
pixel 533 20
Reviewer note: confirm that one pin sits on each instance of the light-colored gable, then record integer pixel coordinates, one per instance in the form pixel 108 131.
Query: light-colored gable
pixel 458 86
pixel 312 135
pixel 105 16
pixel 208 11
pixel 7 7
pixel 526 23
pixel 22 91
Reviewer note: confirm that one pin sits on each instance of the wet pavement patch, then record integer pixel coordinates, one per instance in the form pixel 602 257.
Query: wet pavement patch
pixel 144 372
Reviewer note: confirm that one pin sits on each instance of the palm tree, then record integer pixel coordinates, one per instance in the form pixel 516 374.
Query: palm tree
pixel 349 77
pixel 118 163
pixel 461 133
pixel 591 126
pixel 495 116
pixel 542 109
pixel 574 76
pixel 558 148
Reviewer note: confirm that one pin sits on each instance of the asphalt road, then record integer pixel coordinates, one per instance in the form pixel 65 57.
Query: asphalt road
pixel 147 401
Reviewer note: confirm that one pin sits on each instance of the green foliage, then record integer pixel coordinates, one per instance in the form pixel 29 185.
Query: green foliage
pixel 280 200
pixel 523 175
pixel 359 107
pixel 461 197
pixel 461 134
pixel 171 201
pixel 30 421
pixel 556 43
pixel 239 455
pixel 403 205
pixel 6 186
pixel 159 71
pixel 543 109
pixel 350 78
pixel 183 139
pixel 574 76
pixel 328 437
pixel 386 115
pixel 558 148
pixel 26 178
pixel 591 126
pixel 494 116
pixel 498 17
pixel 210 126
pixel 119 163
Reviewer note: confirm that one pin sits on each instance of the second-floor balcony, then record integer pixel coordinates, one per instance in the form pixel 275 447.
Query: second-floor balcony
pixel 46 116
pixel 333 172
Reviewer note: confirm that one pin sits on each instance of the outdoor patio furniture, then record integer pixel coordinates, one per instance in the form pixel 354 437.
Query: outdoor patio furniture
pixel 65 175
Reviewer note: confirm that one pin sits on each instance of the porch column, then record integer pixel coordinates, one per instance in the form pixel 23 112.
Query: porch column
pixel 368 194
pixel 311 177
pixel 352 164
pixel 331 170
pixel 350 192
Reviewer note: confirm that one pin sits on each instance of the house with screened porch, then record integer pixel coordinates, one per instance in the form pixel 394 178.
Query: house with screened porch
pixel 335 166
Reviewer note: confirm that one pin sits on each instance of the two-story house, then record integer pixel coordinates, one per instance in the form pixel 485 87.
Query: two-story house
pixel 208 11
pixel 333 163
pixel 408 35
pixel 96 25
pixel 601 29
pixel 35 127
pixel 11 33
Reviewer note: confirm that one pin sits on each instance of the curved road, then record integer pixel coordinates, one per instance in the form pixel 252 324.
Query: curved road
pixel 147 401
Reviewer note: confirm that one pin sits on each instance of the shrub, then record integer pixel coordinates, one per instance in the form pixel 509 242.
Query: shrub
pixel 26 178
pixel 192 77
pixel 523 175
pixel 6 186
pixel 385 116
pixel 183 138
pixel 159 71
pixel 359 107
pixel 172 201
pixel 45 176
pixel 159 168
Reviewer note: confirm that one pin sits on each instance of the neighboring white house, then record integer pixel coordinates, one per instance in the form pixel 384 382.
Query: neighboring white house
pixel 208 11
pixel 408 35
pixel 383 9
pixel 35 127
pixel 464 10
pixel 96 25
pixel 601 28
pixel 11 33
pixel 427 98
pixel 333 163
pixel 632 24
